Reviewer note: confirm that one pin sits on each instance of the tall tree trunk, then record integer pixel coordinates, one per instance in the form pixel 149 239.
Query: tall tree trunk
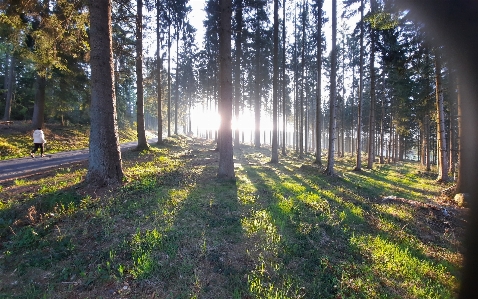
pixel 342 115
pixel 352 143
pixel 443 159
pixel 451 144
pixel 333 86
pixel 422 141
pixel 318 97
pixel 306 123
pixel 342 104
pixel 158 76
pixel 142 142
pixel 257 114
pixel 427 143
pixel 40 83
pixel 390 142
pixel 39 106
pixel 302 87
pixel 371 134
pixel 284 139
pixel 237 70
pixel 452 137
pixel 382 132
pixel 257 104
pixel 10 79
pixel 401 148
pixel 3 93
pixel 358 164
pixel 176 98
pixel 382 122
pixel 169 80
pixel 296 85
pixel 226 163
pixel 460 184
pixel 104 159
pixel 396 146
pixel 275 87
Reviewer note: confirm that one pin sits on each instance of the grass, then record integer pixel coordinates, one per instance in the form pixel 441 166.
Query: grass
pixel 16 140
pixel 279 231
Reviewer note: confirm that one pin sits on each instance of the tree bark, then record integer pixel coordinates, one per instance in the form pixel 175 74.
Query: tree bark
pixel 382 122
pixel 104 161
pixel 460 186
pixel 39 106
pixel 237 70
pixel 226 163
pixel 142 142
pixel 358 164
pixel 3 93
pixel 452 137
pixel 422 141
pixel 176 98
pixel 302 84
pixel 10 79
pixel 257 87
pixel 441 141
pixel 427 143
pixel 158 76
pixel 371 128
pixel 296 86
pixel 169 80
pixel 318 108
pixel 284 119
pixel 275 88
pixel 333 84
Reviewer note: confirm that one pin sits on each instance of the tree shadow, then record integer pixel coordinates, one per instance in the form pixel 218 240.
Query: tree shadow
pixel 311 247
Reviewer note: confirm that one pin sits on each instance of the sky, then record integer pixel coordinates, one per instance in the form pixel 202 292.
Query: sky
pixel 198 15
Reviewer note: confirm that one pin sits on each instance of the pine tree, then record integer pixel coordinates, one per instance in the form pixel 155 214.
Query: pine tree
pixel 142 142
pixel 104 167
pixel 358 164
pixel 442 154
pixel 275 87
pixel 159 66
pixel 226 163
pixel 333 83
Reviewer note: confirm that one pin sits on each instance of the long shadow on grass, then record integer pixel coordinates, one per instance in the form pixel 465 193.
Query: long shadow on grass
pixel 312 251
pixel 368 198
pixel 60 242
pixel 32 239
pixel 420 225
pixel 421 235
pixel 307 237
pixel 188 241
pixel 384 186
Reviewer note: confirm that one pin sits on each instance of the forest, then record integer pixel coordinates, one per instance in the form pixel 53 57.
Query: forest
pixel 333 123
pixel 394 93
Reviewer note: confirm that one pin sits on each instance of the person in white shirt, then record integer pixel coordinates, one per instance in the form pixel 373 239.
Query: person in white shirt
pixel 38 141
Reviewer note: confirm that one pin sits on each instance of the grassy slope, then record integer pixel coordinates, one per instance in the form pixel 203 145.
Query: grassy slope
pixel 280 231
pixel 16 140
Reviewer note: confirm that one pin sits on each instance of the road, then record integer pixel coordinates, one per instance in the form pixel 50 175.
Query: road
pixel 14 168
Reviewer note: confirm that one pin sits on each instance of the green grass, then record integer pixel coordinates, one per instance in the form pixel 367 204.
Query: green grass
pixel 279 231
pixel 16 140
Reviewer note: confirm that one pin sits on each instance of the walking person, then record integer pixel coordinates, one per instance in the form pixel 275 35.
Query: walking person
pixel 38 141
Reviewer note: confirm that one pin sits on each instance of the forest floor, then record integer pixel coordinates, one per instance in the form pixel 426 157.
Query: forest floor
pixel 173 230
pixel 16 139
